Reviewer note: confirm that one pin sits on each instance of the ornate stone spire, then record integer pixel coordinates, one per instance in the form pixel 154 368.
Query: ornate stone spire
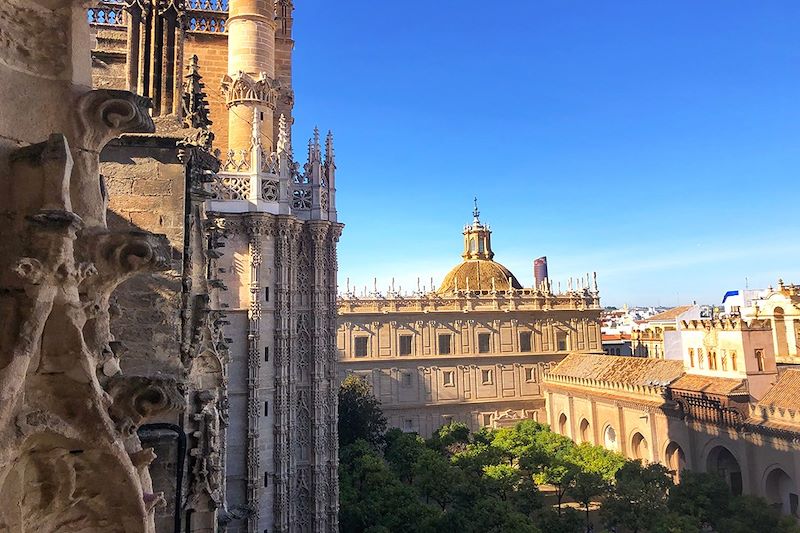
pixel 283 145
pixel 314 148
pixel 329 154
pixel 195 103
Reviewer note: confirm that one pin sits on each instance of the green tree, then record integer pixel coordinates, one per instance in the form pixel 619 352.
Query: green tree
pixel 703 496
pixel 585 488
pixel 360 415
pixel 639 497
pixel 402 451
pixel 373 499
pixel 597 460
pixel 435 477
pixel 560 474
pixel 749 513
pixel 452 437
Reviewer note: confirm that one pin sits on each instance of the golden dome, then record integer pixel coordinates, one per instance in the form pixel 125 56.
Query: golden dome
pixel 477 275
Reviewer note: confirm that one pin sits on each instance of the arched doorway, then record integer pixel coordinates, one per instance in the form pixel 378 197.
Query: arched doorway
pixel 780 492
pixel 721 461
pixel 562 424
pixel 675 460
pixel 585 431
pixel 639 447
pixel 610 438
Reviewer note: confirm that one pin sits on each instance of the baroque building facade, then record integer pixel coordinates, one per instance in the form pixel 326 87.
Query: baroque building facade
pixel 243 315
pixel 475 350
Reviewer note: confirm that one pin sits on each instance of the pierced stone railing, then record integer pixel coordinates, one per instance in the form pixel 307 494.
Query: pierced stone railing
pixel 202 16
pixel 207 16
pixel 108 14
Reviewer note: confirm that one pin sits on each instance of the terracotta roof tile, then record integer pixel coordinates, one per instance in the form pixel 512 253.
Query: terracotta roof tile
pixel 709 385
pixel 785 394
pixel 616 369
pixel 669 314
pixel 616 337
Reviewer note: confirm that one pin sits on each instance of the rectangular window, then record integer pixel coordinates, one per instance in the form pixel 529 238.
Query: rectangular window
pixel 406 379
pixel 444 343
pixel 525 341
pixel 483 343
pixel 449 378
pixel 266 353
pixel 486 377
pixel 266 294
pixel 361 346
pixel 530 375
pixel 266 479
pixel 691 357
pixel 405 344
pixel 561 342
pixel 408 424
pixel 487 419
pixel 266 408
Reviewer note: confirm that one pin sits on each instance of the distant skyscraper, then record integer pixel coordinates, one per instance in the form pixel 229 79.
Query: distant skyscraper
pixel 540 270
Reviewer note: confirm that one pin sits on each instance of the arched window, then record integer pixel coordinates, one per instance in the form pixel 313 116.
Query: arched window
pixel 585 431
pixel 760 359
pixel 610 438
pixel 675 460
pixel 691 357
pixel 562 424
pixel 721 461
pixel 779 490
pixel 734 363
pixel 639 446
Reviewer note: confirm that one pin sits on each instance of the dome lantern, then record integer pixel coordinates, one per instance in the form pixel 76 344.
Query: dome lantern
pixel 478 272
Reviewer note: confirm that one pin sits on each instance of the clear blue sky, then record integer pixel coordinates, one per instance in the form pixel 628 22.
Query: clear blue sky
pixel 657 143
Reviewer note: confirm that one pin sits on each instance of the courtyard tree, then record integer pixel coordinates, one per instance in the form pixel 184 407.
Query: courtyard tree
pixel 639 497
pixel 360 415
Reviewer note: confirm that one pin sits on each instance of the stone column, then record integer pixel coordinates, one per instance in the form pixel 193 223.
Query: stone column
pixel 250 84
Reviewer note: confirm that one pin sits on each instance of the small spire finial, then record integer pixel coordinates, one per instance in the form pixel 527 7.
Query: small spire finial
pixel 256 140
pixel 475 213
pixel 283 135
pixel 329 154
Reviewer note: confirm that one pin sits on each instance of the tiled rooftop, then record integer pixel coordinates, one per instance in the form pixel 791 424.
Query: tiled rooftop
pixel 785 394
pixel 709 385
pixel 616 369
pixel 669 314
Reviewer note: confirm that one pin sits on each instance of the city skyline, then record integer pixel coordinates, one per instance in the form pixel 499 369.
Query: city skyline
pixel 635 141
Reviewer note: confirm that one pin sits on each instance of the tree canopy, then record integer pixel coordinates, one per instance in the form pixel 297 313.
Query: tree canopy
pixel 524 479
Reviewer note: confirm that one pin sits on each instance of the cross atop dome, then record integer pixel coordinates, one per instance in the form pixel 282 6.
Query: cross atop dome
pixel 475 213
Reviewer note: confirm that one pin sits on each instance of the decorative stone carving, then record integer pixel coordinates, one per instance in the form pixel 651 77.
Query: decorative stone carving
pixel 138 399
pixel 242 88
